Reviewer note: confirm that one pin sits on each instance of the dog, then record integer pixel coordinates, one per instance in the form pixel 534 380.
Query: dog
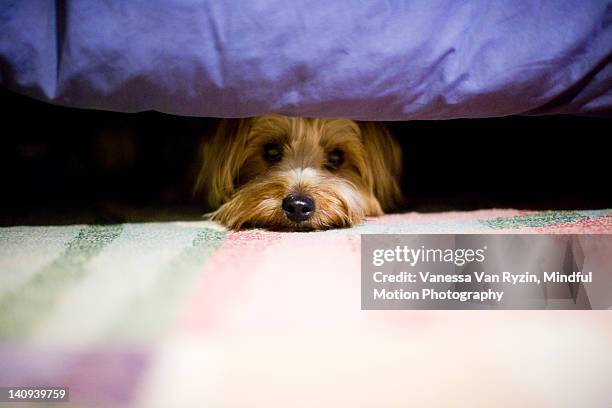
pixel 298 174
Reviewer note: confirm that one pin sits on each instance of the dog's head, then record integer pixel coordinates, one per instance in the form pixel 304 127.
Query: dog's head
pixel 287 173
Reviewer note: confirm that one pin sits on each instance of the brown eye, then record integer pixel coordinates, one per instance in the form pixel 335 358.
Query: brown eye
pixel 335 158
pixel 272 153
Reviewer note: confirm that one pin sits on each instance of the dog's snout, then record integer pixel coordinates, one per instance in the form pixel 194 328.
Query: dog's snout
pixel 298 208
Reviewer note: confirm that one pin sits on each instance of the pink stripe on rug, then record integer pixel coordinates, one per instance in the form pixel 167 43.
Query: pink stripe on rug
pixel 285 283
pixel 454 216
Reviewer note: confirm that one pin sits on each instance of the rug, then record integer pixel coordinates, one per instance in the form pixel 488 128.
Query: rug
pixel 187 314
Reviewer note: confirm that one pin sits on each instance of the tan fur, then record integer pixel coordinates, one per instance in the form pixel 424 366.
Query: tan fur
pixel 245 190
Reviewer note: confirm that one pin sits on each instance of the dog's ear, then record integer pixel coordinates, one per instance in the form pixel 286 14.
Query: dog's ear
pixel 221 157
pixel 384 164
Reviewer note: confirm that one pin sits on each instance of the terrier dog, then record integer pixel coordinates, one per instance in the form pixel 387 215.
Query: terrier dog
pixel 298 174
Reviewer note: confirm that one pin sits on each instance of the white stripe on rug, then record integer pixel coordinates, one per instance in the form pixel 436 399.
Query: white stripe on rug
pixel 125 270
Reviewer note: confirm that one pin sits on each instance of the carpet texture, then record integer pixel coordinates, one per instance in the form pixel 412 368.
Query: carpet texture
pixel 187 314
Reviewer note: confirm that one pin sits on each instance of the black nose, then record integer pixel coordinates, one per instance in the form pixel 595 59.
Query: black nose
pixel 298 208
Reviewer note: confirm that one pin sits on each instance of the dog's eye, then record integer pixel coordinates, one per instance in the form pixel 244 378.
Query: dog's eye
pixel 335 158
pixel 272 153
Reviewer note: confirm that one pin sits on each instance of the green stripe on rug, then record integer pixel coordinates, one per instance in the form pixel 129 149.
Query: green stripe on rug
pixel 151 314
pixel 25 250
pixel 134 288
pixel 22 307
pixel 543 219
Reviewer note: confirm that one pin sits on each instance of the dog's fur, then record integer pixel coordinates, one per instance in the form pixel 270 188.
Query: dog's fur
pixel 246 189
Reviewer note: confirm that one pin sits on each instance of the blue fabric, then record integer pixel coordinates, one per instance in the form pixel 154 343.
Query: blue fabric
pixel 374 60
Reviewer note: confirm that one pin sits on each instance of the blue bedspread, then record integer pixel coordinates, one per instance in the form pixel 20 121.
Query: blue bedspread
pixel 376 60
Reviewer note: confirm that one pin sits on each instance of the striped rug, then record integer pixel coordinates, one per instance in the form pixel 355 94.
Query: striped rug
pixel 186 314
